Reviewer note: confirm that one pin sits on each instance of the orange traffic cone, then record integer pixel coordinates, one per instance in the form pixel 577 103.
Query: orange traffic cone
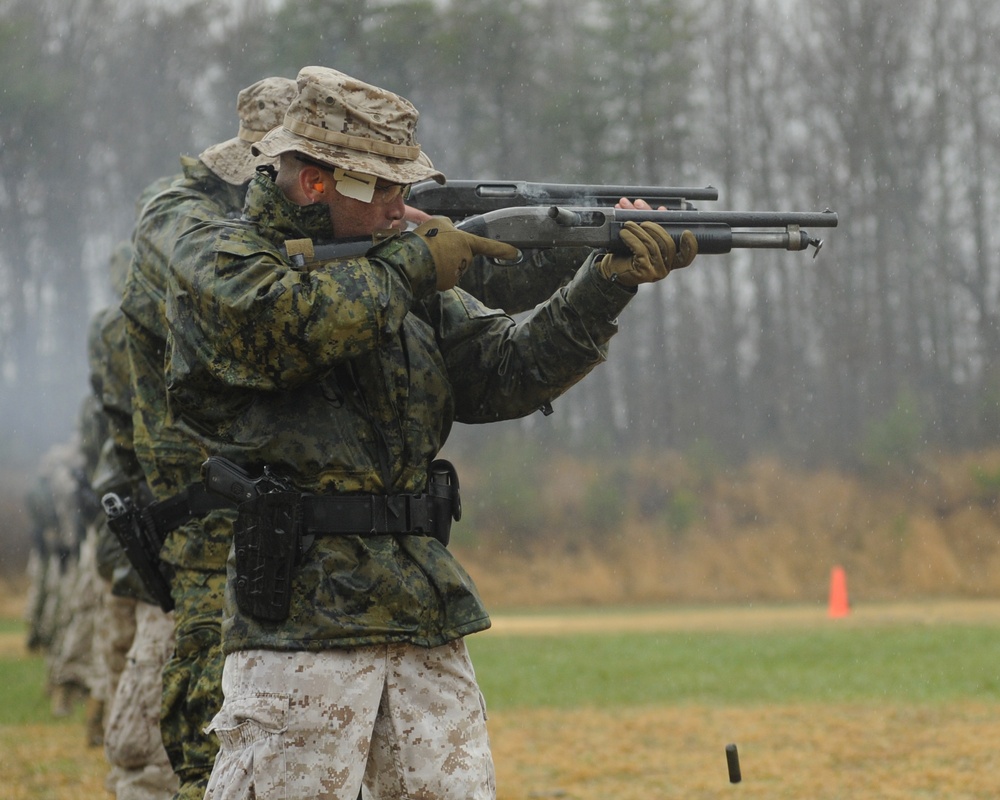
pixel 839 606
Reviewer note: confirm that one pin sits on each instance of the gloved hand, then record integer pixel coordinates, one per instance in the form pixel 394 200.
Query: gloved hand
pixel 653 255
pixel 453 250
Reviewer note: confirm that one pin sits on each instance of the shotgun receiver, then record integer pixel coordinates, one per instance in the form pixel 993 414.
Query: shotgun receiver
pixel 461 199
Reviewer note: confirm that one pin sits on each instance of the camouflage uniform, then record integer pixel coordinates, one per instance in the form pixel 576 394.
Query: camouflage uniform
pixel 197 551
pixel 523 286
pixel 71 655
pixel 140 769
pixel 71 662
pixel 39 608
pixel 346 380
pixel 133 745
pixel 300 385
pixel 211 186
pixel 57 471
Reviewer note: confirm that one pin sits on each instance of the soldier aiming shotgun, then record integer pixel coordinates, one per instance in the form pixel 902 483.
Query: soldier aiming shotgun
pixel 544 215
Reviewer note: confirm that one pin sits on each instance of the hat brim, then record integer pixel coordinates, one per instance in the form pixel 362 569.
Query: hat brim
pixel 232 160
pixel 393 170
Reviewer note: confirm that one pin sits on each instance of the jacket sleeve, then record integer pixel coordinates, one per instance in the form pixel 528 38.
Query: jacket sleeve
pixel 502 369
pixel 238 310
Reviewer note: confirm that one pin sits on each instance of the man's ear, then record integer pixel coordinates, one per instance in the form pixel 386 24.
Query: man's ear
pixel 311 183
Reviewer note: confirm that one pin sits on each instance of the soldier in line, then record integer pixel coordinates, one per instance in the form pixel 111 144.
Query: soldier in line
pixel 213 187
pixel 344 379
pixel 194 551
pixel 71 576
pixel 39 608
pixel 52 603
pixel 135 636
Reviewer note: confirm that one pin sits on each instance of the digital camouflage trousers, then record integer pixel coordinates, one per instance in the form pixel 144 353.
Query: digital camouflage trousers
pixel 192 679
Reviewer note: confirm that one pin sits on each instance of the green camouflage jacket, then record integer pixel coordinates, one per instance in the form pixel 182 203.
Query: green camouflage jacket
pixel 117 469
pixel 170 460
pixel 109 380
pixel 522 286
pixel 347 378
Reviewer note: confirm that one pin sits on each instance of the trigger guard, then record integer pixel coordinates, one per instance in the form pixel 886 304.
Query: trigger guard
pixel 503 262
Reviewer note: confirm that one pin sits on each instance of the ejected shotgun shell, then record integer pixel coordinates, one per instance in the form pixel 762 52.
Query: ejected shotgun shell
pixel 733 761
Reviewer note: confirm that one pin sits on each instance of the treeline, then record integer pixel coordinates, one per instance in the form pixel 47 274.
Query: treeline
pixel 885 111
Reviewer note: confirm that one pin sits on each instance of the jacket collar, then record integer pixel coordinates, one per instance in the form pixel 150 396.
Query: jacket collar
pixel 267 207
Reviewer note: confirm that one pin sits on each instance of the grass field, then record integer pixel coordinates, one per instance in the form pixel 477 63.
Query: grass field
pixel 891 702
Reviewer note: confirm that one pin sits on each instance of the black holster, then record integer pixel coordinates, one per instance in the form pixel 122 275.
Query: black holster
pixel 141 541
pixel 266 537
pixel 273 528
pixel 142 532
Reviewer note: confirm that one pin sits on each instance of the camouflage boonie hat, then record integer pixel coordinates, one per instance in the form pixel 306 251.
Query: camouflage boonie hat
pixel 338 120
pixel 260 108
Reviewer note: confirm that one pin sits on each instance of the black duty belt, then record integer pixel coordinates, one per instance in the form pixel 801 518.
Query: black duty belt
pixel 369 515
pixel 270 501
pixel 192 502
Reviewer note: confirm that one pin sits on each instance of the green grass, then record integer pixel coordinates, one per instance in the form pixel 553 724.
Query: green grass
pixel 904 664
pixel 23 700
pixel 11 626
pixel 22 692
pixel 894 664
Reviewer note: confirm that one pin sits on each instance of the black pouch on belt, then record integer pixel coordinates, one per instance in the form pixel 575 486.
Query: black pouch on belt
pixel 445 499
pixel 266 540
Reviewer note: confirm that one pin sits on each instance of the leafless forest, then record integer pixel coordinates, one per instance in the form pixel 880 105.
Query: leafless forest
pixel 884 110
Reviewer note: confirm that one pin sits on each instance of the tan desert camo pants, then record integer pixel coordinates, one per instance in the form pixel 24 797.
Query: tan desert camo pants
pixel 406 721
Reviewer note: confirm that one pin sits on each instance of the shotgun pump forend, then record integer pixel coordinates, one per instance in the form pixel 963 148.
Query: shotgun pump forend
pixel 717 232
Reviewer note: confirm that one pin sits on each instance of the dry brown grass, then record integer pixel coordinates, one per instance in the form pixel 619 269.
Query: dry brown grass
pixel 794 752
pixel 800 751
pixel 49 762
pixel 746 618
pixel 762 533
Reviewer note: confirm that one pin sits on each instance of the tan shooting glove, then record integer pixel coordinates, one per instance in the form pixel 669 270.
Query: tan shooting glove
pixel 453 250
pixel 653 255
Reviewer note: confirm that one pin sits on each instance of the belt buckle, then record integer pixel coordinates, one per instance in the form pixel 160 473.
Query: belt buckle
pixel 387 511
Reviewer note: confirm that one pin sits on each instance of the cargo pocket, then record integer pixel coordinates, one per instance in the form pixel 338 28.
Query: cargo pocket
pixel 251 760
pixel 133 729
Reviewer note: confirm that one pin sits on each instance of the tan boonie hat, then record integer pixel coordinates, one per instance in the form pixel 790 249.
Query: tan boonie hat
pixel 261 107
pixel 338 120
